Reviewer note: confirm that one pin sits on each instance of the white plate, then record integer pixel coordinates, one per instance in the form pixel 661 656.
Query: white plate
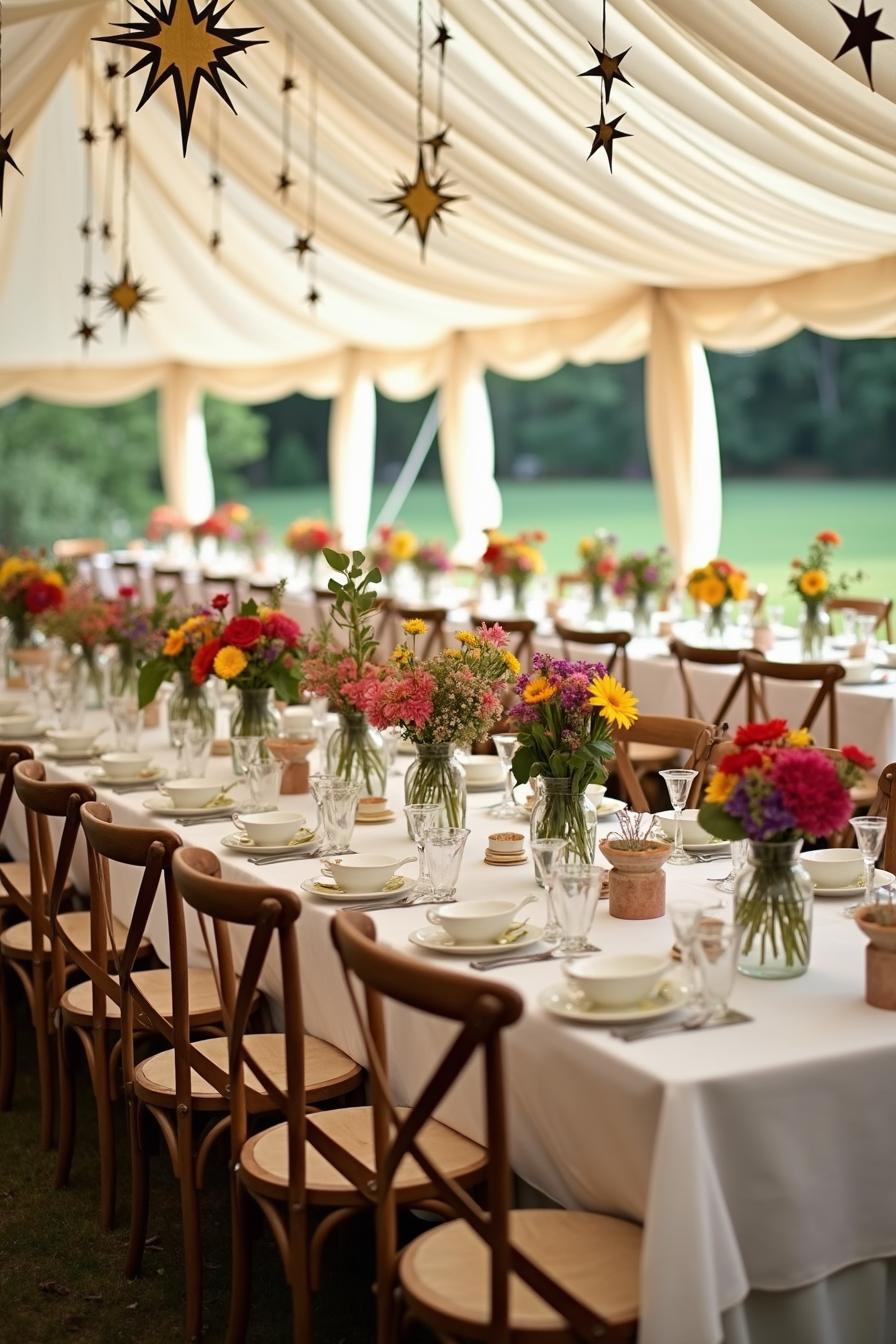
pixel 486 786
pixel 161 806
pixel 437 940
pixel 610 806
pixel 125 781
pixel 717 847
pixel 310 888
pixel 881 879
pixel 55 753
pixel 563 1001
pixel 235 842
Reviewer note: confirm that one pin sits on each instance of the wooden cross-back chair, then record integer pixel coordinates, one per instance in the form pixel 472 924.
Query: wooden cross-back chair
pixel 880 608
pixel 567 580
pixel 826 675
pixel 615 640
pixel 435 617
pixel 884 805
pixel 685 654
pixel 262 590
pixel 234 585
pixel 491 1274
pixel 13 873
pixel 693 738
pixel 522 629
pixel 170 579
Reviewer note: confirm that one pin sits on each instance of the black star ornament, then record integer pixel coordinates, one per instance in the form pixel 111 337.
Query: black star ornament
pixel 215 180
pixel 85 333
pixel 284 182
pixel 288 84
pixel 88 135
pixel 85 290
pixel 605 133
pixel 106 231
pixel 442 38
pixel 116 129
pixel 85 228
pixel 863 33
pixel 312 298
pixel 111 69
pixel 6 158
pixel 608 68
pixel 302 245
pixel 438 142
pixel 187 45
pixel 215 241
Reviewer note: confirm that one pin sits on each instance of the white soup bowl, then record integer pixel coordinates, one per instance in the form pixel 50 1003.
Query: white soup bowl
pixel 614 982
pixel 270 828
pixel 364 872
pixel 833 867
pixel 125 764
pixel 691 832
pixel 474 921
pixel 190 792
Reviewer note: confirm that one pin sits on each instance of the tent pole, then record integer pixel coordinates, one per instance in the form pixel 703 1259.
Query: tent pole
pixel 413 463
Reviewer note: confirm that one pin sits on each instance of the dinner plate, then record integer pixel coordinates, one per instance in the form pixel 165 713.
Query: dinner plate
pixel 398 886
pixel 161 806
pixel 126 781
pixel 434 939
pixel 718 848
pixel 881 879
pixel 486 786
pixel 561 1000
pixel 240 845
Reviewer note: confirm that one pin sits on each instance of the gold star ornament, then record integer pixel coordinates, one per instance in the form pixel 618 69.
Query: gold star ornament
pixel 608 68
pixel 422 201
pixel 6 158
pixel 605 134
pixel 125 295
pixel 187 45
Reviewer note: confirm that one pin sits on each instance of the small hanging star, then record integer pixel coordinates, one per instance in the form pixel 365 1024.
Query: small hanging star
pixel 608 68
pixel 116 129
pixel 284 182
pixel 863 33
pixel 312 298
pixel 215 240
pixel 215 180
pixel 438 142
pixel 443 37
pixel 302 245
pixel 605 132
pixel 88 135
pixel 106 231
pixel 86 332
pixel 112 69
pixel 125 295
pixel 85 228
pixel 422 200
pixel 85 289
pixel 6 158
pixel 288 84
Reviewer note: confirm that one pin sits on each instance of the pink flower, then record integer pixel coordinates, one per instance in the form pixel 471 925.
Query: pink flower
pixel 493 634
pixel 405 699
pixel 278 626
pixel 811 790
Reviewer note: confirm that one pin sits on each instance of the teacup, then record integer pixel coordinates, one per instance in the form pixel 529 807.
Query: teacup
pixel 125 764
pixel 506 842
pixel 476 921
pixel 889 652
pixel 372 807
pixel 614 982
pixel 691 832
pixel 17 725
pixel 190 792
pixel 269 828
pixel 363 872
pixel 857 670
pixel 9 704
pixel 833 867
pixel 72 739
pixel 596 792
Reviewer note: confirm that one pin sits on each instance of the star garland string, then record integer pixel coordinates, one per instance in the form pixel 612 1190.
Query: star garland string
pixel 304 244
pixel 288 86
pixel 216 184
pixel 125 294
pixel 6 158
pixel 439 140
pixel 607 70
pixel 425 197
pixel 187 45
pixel 862 33
pixel 86 329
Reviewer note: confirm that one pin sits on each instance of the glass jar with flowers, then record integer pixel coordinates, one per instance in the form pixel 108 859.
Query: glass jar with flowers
pixel 776 791
pixel 179 661
pixel 494 559
pixel 30 590
pixel 566 721
pixel 440 704
pixel 135 634
pixel 813 584
pixel 165 526
pixel 430 560
pixel 307 538
pixel 391 549
pixel 713 586
pixel 82 625
pixel 355 750
pixel 598 556
pixel 523 561
pixel 641 579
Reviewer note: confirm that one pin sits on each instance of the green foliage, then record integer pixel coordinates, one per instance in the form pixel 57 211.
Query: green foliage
pixel 354 599
pixel 716 821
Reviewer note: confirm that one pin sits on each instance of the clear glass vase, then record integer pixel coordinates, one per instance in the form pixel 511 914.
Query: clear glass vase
pixel 598 612
pixel 715 621
pixel 559 813
pixel 189 703
pixel 120 674
pixel 773 899
pixel 356 751
pixel 519 588
pixel 815 626
pixel 641 612
pixel 436 776
pixel 255 715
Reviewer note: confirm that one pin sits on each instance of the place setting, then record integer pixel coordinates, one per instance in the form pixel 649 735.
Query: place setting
pixel 72 746
pixel 127 771
pixel 189 800
pixel 271 834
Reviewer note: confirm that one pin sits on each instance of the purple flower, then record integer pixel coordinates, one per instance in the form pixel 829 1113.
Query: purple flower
pixel 756 803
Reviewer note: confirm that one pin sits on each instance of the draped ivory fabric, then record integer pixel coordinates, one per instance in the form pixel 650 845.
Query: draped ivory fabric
pixel 186 472
pixel 757 196
pixel 467 450
pixel 351 444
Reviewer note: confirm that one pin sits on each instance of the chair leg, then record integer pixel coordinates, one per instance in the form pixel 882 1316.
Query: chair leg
pixel 299 1280
pixel 189 1211
pixel 7 1041
pixel 139 1186
pixel 66 1108
pixel 386 1252
pixel 240 1262
pixel 40 1018
pixel 105 1129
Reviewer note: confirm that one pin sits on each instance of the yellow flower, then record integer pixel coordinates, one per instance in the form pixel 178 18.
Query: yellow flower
pixel 239 513
pixel 402 545
pixel 53 576
pixel 452 653
pixel 538 690
pixel 739 586
pixel 584 547
pixel 13 567
pixel 467 637
pixel 401 655
pixel 264 612
pixel 799 737
pixel 720 787
pixel 616 704
pixel 414 626
pixel 813 583
pixel 230 662
pixel 174 643
pixel 712 591
pixel 511 661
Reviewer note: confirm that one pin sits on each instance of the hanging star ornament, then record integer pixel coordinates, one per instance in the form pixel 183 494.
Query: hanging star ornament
pixel 85 333
pixel 116 130
pixel 125 295
pixel 111 69
pixel 422 201
pixel 284 182
pixel 605 133
pixel 106 231
pixel 184 44
pixel 442 38
pixel 608 68
pixel 302 245
pixel 438 142
pixel 6 158
pixel 863 33
pixel 85 290
pixel 88 135
pixel 312 298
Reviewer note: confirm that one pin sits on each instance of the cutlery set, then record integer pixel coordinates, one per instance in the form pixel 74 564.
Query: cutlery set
pixel 696 1022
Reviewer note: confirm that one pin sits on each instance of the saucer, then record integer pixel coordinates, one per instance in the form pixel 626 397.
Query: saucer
pixel 68 755
pixel 147 777
pixel 505 860
pixel 486 786
pixel 562 1000
pixel 377 819
pixel 881 879
pixel 161 806
pixel 434 939
pixel 243 845
pixel 610 806
pixel 718 848
pixel 328 891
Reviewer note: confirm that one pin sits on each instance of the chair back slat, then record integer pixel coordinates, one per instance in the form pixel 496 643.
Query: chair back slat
pixel 880 608
pixel 705 657
pixel 522 628
pixel 824 676
pixel 615 640
pixel 884 805
pixel 10 755
pixel 694 737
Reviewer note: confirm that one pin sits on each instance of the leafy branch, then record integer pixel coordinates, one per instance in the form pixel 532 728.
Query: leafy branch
pixel 354 598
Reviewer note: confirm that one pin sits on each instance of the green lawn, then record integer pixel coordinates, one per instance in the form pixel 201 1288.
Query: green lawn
pixel 765 523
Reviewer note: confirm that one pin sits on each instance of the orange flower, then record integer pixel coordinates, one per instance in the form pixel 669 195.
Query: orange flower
pixel 828 538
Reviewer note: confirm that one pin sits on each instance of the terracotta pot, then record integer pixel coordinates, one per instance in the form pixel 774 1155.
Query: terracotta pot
pixel 636 881
pixel 880 957
pixel 293 751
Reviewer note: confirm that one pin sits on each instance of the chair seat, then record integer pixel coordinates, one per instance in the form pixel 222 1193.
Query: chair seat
pixel 264 1163
pixel 205 1006
pixel 642 755
pixel 445 1272
pixel 328 1072
pixel 864 793
pixel 16 941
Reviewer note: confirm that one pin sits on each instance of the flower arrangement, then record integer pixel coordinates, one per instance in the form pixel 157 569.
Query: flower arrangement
pixel 163 521
pixel 775 790
pixel 82 624
pixel 715 585
pixel 516 559
pixel 227 523
pixel 641 577
pixel 430 559
pixel 29 590
pixel 309 536
pixel 391 547
pixel 566 719
pixel 598 556
pixel 137 634
pixel 813 583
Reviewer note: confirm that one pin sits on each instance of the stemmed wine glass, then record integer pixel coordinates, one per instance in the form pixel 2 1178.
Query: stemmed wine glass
pixel 506 745
pixel 739 850
pixel 870 833
pixel 678 783
pixel 422 818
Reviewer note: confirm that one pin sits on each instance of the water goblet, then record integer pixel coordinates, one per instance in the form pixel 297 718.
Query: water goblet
pixel 340 804
pixel 320 708
pixel 575 890
pixel 506 745
pixel 127 720
pixel 198 739
pixel 546 854
pixel 265 779
pixel 391 739
pixel 739 851
pixel 246 748
pixel 849 615
pixel 870 833
pixel 443 852
pixel 422 818
pixel 716 949
pixel 319 785
pixel 678 784
pixel 686 917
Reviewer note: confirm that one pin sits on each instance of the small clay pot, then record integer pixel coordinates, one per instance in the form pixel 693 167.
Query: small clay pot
pixel 293 752
pixel 880 956
pixel 636 881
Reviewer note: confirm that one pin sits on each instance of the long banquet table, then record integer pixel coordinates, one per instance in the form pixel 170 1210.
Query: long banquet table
pixel 759 1157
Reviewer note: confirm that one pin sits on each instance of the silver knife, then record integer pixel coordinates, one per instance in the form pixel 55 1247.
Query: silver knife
pixel 731 1019
pixel 552 954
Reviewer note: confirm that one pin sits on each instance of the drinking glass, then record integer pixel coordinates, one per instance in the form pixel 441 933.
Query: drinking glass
pixel 506 745
pixel 245 750
pixel 320 784
pixel 67 693
pixel 865 627
pixel 198 740
pixel 575 890
pixel 422 818
pixel 127 720
pixel 686 917
pixel 546 854
pixel 340 803
pixel 678 783
pixel 265 778
pixel 739 851
pixel 320 708
pixel 848 616
pixel 716 949
pixel 870 833
pixel 391 738
pixel 443 851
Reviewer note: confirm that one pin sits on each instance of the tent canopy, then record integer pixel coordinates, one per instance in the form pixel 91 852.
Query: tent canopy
pixel 756 196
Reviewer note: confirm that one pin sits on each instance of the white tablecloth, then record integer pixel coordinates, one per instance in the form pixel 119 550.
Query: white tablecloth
pixel 757 1157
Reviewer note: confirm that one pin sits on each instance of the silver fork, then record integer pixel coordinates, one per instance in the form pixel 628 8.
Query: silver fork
pixel 552 954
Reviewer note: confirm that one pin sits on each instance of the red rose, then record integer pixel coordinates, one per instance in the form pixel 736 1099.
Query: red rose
pixel 127 592
pixel 278 626
pixel 40 596
pixel 243 631
pixel 739 761
pixel 220 600
pixel 760 734
pixel 203 658
pixel 857 757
